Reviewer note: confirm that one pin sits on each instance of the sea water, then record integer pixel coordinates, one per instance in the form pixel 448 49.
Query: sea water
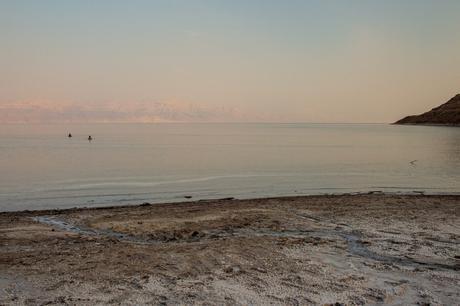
pixel 40 167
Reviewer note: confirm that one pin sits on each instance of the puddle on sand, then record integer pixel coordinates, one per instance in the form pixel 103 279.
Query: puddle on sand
pixel 84 230
pixel 353 239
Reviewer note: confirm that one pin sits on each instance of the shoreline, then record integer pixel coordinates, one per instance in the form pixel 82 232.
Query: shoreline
pixel 351 249
pixel 428 124
pixel 191 200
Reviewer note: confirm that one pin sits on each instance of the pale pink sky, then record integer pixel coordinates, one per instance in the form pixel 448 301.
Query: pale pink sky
pixel 150 61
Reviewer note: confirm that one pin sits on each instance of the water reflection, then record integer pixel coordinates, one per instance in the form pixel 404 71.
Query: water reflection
pixel 130 163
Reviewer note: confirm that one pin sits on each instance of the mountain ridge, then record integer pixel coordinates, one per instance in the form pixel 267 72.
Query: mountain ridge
pixel 445 114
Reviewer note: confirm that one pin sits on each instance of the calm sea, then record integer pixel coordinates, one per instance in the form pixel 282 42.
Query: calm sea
pixel 133 163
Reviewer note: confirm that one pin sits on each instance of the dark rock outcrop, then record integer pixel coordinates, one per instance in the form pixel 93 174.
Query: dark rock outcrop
pixel 446 114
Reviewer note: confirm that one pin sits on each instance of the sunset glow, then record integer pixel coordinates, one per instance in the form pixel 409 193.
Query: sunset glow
pixel 313 61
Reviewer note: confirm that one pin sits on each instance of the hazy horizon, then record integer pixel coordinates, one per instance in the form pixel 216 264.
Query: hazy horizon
pixel 226 61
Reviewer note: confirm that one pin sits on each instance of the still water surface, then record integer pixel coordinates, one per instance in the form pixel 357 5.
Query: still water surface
pixel 133 163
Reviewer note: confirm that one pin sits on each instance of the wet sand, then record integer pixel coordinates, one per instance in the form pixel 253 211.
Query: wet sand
pixel 350 249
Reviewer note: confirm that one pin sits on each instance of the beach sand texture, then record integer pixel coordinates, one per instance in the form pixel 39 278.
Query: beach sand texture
pixel 351 249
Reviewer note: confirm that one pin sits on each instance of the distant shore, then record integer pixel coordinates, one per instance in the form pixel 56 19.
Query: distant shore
pixel 446 114
pixel 350 249
pixel 428 124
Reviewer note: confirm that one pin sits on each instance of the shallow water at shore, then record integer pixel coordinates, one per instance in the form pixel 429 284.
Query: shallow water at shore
pixel 132 163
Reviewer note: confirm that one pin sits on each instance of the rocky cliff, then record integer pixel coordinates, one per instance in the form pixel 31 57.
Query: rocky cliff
pixel 446 114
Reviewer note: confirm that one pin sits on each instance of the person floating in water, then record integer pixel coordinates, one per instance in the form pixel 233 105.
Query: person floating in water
pixel 70 135
pixel 90 138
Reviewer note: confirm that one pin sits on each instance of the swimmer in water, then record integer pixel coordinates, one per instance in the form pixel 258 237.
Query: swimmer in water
pixel 70 135
pixel 90 138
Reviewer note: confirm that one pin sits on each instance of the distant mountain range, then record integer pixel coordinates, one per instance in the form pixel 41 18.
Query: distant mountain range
pixel 446 114
pixel 127 112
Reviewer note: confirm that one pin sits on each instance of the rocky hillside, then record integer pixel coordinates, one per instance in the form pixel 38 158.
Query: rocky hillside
pixel 446 114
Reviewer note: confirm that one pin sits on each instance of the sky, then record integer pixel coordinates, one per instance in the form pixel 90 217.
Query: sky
pixel 226 61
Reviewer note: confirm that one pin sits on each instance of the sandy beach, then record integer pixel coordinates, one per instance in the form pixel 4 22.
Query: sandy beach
pixel 351 249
